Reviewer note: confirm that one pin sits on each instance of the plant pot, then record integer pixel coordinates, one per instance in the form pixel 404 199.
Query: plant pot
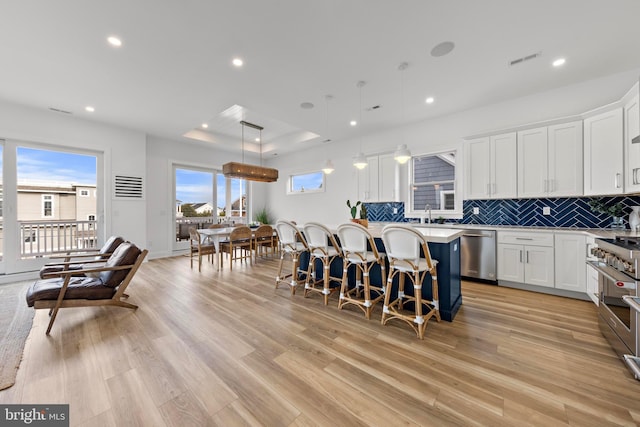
pixel 362 222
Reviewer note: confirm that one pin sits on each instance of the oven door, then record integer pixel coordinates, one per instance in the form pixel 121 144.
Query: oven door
pixel 614 312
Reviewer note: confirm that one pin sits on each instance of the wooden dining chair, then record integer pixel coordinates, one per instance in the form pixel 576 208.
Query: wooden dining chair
pixel 264 241
pixel 404 245
pixel 200 247
pixel 239 246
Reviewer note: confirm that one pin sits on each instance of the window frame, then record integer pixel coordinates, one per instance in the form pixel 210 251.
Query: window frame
pixel 86 193
pixel 44 203
pixel 322 188
pixel 456 212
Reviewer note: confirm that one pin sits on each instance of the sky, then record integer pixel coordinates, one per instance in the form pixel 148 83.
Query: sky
pixel 35 165
pixel 196 187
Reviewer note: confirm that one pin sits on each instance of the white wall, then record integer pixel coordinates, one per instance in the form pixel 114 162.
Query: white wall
pixel 428 136
pixel 161 154
pixel 124 153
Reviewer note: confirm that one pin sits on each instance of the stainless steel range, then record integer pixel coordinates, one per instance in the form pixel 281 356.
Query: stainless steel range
pixel 618 268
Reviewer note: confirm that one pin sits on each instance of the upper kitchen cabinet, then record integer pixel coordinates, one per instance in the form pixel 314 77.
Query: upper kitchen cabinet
pixel 377 182
pixel 632 142
pixel 491 167
pixel 603 153
pixel 550 161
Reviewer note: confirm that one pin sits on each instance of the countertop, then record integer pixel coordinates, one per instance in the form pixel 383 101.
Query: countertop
pixel 435 234
pixel 604 233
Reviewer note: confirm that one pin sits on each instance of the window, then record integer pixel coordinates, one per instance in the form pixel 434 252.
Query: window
pixel 306 183
pixel 84 193
pixel 91 218
pixel 47 206
pixel 433 183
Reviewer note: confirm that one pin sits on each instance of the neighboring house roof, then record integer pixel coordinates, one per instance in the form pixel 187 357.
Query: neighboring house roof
pixel 235 205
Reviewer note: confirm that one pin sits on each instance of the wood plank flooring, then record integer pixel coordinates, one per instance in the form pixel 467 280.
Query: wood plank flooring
pixel 226 348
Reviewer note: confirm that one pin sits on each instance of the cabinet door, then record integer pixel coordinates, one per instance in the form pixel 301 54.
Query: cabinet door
pixel 565 160
pixel 570 250
pixel 592 285
pixel 532 163
pixel 632 151
pixel 510 262
pixel 478 169
pixel 538 266
pixel 368 181
pixel 504 163
pixel 603 153
pixel 386 178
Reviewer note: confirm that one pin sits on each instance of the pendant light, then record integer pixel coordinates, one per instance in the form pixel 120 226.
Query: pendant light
pixel 402 153
pixel 360 161
pixel 247 171
pixel 328 165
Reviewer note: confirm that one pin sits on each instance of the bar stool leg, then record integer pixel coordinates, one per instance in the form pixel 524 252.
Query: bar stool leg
pixel 345 283
pixel 326 291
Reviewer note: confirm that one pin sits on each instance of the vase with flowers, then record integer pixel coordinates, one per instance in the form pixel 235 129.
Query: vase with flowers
pixel 615 211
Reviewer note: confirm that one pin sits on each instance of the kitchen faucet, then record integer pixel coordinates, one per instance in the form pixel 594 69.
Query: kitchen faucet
pixel 427 208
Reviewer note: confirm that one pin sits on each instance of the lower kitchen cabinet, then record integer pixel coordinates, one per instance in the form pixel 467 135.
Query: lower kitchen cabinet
pixel 571 262
pixel 526 258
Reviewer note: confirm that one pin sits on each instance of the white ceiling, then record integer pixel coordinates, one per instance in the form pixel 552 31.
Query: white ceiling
pixel 174 69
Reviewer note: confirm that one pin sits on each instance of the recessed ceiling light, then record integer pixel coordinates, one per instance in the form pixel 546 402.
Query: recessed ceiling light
pixel 306 105
pixel 237 62
pixel 114 41
pixel 353 123
pixel 257 139
pixel 559 62
pixel 89 108
pixel 429 100
pixel 204 126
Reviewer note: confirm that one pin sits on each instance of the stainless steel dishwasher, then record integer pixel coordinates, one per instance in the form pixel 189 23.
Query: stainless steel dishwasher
pixel 478 255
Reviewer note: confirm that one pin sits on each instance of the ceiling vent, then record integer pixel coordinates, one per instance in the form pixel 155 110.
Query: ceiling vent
pixel 57 110
pixel 524 59
pixel 373 108
pixel 127 187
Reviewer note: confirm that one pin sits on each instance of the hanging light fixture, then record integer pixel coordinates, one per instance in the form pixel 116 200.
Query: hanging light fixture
pixel 247 171
pixel 402 153
pixel 328 165
pixel 360 161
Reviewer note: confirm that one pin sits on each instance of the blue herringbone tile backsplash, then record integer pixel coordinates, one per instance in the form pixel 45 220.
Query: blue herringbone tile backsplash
pixel 565 212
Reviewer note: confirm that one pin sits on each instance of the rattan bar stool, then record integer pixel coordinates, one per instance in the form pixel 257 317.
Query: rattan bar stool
pixel 323 247
pixel 403 244
pixel 292 243
pixel 355 241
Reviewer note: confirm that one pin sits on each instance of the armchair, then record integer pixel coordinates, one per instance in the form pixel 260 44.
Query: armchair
pixel 74 260
pixel 66 288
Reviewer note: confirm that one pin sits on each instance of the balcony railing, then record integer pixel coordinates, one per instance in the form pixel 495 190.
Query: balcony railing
pixel 40 238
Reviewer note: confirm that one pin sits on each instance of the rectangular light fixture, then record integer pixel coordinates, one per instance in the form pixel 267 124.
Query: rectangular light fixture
pixel 249 172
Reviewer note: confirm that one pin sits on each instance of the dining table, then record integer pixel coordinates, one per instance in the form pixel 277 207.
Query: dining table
pixel 217 235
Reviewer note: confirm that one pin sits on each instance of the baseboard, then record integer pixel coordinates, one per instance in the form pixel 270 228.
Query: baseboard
pixel 545 290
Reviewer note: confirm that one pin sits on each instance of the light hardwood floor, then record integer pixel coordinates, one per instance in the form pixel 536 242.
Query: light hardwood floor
pixel 225 348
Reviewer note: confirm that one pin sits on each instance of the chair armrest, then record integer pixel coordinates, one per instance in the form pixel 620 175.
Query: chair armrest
pixel 64 273
pixel 62 264
pixel 84 255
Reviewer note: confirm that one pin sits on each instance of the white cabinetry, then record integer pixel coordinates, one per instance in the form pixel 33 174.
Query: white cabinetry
pixel 550 161
pixel 603 147
pixel 570 262
pixel 377 182
pixel 491 167
pixel 526 258
pixel 632 150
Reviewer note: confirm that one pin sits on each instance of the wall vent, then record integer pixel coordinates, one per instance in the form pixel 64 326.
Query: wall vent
pixel 127 187
pixel 524 59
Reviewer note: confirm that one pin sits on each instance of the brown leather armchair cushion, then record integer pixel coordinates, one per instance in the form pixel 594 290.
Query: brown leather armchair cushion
pixel 79 288
pixel 125 254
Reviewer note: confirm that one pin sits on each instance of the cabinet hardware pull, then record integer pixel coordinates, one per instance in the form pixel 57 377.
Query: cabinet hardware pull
pixel 527 257
pixel 524 238
pixel 617 181
pixel 520 256
pixel 635 176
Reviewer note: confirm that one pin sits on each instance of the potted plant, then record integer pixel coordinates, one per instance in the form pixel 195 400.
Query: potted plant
pixel 354 211
pixel 262 216
pixel 598 206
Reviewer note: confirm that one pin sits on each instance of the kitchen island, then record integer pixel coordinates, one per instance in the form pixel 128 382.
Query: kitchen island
pixel 444 245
